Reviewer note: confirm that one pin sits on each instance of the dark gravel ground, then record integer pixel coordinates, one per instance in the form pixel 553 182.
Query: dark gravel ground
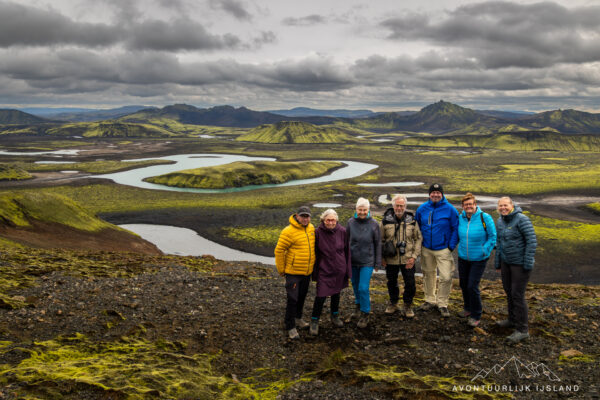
pixel 237 309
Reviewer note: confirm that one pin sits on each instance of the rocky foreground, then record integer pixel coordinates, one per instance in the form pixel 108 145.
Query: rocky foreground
pixel 100 325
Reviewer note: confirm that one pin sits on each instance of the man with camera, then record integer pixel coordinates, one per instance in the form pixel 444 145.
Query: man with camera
pixel 401 238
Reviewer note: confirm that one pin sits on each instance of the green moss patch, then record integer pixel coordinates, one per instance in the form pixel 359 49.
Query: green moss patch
pixel 554 229
pixel 262 234
pixel 408 384
pixel 132 368
pixel 19 209
pixel 238 174
pixel 10 172
pixel 94 167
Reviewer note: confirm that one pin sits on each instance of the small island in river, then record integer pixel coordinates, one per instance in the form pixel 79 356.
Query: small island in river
pixel 239 174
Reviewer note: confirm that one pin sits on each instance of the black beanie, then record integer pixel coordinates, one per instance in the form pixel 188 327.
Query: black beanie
pixel 436 187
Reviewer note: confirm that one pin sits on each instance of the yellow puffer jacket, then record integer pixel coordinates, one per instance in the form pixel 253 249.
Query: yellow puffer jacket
pixel 295 251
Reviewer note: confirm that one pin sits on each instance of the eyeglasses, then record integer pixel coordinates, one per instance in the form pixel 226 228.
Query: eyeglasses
pixel 468 204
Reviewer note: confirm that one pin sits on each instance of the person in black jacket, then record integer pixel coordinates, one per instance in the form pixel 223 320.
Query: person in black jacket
pixel 515 250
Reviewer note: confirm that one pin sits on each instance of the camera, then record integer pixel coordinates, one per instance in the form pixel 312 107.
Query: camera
pixel 401 247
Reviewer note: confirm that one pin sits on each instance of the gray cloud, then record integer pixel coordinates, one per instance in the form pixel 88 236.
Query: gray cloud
pixel 233 7
pixel 308 20
pixel 501 34
pixel 28 26
pixel 181 34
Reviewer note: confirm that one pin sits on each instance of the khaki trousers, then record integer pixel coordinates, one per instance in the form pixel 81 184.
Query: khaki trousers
pixel 433 261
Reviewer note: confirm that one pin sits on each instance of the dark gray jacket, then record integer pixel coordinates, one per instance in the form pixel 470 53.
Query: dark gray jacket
pixel 365 242
pixel 516 241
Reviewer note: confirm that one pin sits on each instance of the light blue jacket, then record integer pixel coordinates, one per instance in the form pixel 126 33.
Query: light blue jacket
pixel 474 242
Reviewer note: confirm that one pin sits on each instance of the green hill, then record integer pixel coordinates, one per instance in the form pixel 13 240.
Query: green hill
pixel 108 129
pixel 22 208
pixel 10 172
pixel 522 141
pixel 12 117
pixel 238 174
pixel 297 132
pixel 438 118
pixel 567 121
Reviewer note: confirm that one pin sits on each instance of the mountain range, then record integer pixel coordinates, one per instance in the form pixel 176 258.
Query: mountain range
pixel 441 118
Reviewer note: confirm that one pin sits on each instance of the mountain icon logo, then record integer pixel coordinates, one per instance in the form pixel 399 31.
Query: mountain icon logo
pixel 524 371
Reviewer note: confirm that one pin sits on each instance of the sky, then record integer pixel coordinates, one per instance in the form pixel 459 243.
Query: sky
pixel 382 55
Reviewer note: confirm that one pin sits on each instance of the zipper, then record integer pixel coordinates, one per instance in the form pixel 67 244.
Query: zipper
pixel 309 251
pixel 468 226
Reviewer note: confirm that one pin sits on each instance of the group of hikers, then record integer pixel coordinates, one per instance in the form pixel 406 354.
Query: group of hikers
pixel 332 255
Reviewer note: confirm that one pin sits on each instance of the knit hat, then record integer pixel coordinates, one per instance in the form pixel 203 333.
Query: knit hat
pixel 436 187
pixel 304 210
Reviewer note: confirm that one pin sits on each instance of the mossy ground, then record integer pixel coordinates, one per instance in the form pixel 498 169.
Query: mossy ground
pixel 11 172
pixel 114 325
pixel 92 167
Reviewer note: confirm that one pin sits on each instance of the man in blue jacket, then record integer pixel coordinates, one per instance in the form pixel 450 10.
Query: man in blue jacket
pixel 438 220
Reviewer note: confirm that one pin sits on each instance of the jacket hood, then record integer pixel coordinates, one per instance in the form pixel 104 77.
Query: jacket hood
pixel 442 201
pixel 515 211
pixel 295 223
pixel 390 216
pixel 322 227
pixel 366 219
pixel 463 214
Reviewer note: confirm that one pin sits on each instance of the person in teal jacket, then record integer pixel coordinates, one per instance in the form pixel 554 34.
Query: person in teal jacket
pixel 476 240
pixel 515 258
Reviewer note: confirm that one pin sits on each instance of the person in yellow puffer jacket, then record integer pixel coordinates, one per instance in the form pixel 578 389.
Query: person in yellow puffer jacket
pixel 295 259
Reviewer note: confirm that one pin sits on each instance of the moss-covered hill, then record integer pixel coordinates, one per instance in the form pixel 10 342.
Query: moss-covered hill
pixel 10 172
pixel 19 117
pixel 297 132
pixel 51 220
pixel 240 174
pixel 520 141
pixel 108 129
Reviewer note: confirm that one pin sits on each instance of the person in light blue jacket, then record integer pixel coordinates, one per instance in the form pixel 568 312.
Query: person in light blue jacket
pixel 438 220
pixel 476 240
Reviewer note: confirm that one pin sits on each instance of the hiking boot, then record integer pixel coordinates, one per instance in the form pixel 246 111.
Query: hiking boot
pixel 408 311
pixel 473 323
pixel 392 308
pixel 363 321
pixel 314 327
pixel 355 314
pixel 517 336
pixel 444 311
pixel 426 306
pixel 464 313
pixel 301 324
pixel 506 323
pixel 336 321
pixel 293 334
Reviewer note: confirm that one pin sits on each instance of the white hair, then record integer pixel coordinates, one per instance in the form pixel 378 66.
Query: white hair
pixel 399 197
pixel 329 211
pixel 507 198
pixel 362 202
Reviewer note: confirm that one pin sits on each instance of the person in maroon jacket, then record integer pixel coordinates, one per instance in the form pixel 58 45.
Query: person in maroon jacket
pixel 332 269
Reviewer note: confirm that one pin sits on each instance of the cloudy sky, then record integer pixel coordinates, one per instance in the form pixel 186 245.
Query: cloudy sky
pixel 270 54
